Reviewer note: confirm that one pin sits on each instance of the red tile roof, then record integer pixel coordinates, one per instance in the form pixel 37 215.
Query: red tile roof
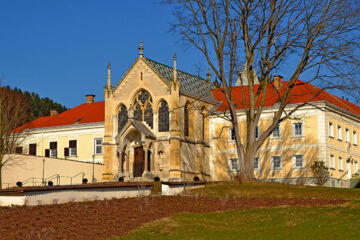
pixel 301 93
pixel 84 113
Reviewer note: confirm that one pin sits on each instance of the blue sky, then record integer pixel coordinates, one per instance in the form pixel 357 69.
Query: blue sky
pixel 60 49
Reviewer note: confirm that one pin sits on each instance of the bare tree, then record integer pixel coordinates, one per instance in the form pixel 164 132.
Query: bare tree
pixel 319 38
pixel 14 112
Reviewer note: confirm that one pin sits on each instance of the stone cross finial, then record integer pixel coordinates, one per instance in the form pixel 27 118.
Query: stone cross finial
pixel 141 48
pixel 208 75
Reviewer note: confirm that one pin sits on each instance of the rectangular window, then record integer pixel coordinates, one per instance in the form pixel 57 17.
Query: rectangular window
pixel 98 146
pixel 339 136
pixel 347 135
pixel 298 161
pixel 356 167
pixel 298 129
pixel 354 138
pixel 341 167
pixel 53 149
pixel 276 162
pixel 232 134
pixel 18 150
pixel 234 165
pixel 256 163
pixel 257 132
pixel 331 129
pixel 32 149
pixel 276 132
pixel 332 161
pixel 72 148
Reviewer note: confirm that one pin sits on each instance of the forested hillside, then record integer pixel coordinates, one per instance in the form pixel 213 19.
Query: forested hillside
pixel 40 106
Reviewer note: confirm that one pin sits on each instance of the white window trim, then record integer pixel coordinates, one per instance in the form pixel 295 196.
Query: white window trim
pixel 230 134
pixel 237 165
pixel 341 164
pixel 339 132
pixel 356 167
pixel 294 161
pixel 332 161
pixel 347 135
pixel 355 138
pixel 272 163
pixel 95 145
pixel 294 130
pixel 276 137
pixel 72 155
pixel 258 168
pixel 331 130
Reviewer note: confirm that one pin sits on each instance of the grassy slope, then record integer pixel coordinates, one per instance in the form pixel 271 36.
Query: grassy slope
pixel 273 190
pixel 332 222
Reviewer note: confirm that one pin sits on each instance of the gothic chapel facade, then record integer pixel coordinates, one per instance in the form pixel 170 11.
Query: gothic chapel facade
pixel 157 123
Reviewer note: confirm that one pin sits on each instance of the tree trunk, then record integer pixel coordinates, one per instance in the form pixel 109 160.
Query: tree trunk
pixel 1 176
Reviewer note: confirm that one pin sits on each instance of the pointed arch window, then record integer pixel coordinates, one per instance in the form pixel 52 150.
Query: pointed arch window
pixel 143 107
pixel 163 117
pixel 186 120
pixel 203 123
pixel 122 117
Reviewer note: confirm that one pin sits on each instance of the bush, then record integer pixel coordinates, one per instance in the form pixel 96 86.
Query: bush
pixel 320 172
pixel 50 183
pixel 196 179
pixel 156 179
pixel 19 184
pixel 121 179
pixel 84 181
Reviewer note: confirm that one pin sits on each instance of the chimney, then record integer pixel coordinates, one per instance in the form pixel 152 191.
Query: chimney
pixel 53 112
pixel 278 82
pixel 90 98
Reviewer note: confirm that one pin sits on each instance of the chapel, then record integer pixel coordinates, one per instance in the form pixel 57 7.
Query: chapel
pixel 157 124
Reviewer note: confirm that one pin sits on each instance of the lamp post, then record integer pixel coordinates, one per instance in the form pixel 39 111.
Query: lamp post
pixel 43 172
pixel 93 170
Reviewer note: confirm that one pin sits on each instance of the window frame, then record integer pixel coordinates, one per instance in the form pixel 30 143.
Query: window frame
pixel 186 120
pixel 72 148
pixel 340 163
pixel 258 164
pixel 273 162
pixel 347 135
pixel 231 134
pixel 276 130
pixel 332 161
pixel 294 129
pixel 257 132
pixel 163 115
pixel 339 133
pixel 331 130
pixel 231 161
pixel 302 161
pixel 98 145
pixel 53 151
pixel 355 142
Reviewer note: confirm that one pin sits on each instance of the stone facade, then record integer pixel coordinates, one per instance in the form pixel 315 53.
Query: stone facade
pixel 139 148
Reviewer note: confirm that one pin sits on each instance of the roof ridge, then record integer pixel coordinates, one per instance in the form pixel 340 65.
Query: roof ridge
pixel 176 69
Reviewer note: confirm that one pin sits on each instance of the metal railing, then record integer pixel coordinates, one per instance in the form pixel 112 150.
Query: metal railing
pixel 33 179
pixel 57 176
pixel 80 173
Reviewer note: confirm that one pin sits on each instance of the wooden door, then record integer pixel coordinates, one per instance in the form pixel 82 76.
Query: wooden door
pixel 138 161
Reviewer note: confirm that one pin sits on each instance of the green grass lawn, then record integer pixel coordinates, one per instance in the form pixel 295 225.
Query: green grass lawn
pixel 329 222
pixel 274 190
pixel 340 222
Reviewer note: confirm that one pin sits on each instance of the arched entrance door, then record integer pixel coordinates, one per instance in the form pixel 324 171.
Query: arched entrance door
pixel 139 161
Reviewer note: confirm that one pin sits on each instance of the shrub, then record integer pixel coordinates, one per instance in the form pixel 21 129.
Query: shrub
pixel 121 179
pixel 320 172
pixel 19 184
pixel 84 181
pixel 50 183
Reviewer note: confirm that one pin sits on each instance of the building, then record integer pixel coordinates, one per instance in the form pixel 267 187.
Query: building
pixel 160 121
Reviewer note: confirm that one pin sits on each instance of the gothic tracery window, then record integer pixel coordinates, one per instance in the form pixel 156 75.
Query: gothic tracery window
pixel 163 117
pixel 143 107
pixel 186 120
pixel 122 117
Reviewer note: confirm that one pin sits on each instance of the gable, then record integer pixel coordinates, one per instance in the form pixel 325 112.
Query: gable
pixel 140 76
